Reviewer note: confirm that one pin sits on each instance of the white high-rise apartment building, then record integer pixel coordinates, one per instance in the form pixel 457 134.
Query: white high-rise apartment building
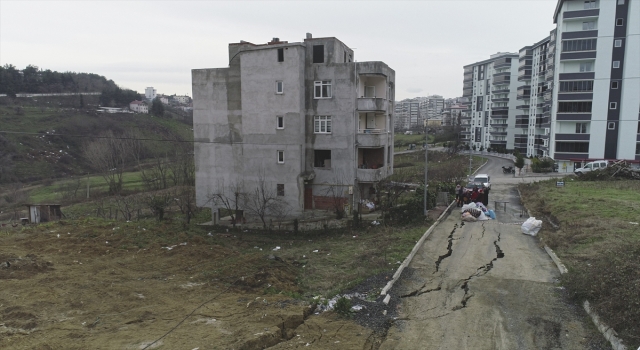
pixel 596 95
pixel 491 86
pixel 150 93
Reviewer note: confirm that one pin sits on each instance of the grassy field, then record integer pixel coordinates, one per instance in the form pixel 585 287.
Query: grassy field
pixel 401 141
pixel 598 238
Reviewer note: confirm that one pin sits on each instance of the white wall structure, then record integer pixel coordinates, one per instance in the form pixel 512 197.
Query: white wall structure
pixel 139 107
pixel 302 118
pixel 596 105
pixel 150 93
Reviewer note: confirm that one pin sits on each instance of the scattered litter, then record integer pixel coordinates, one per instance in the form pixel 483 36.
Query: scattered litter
pixel 191 284
pixel 633 223
pixel 183 243
pixel 276 248
pixel 115 228
pixel 531 227
pixel 208 234
pixel 68 233
pixel 107 242
pixel 315 251
pixel 375 223
pixel 58 235
pixel 357 307
pixel 355 236
pixel 397 262
pixel 384 312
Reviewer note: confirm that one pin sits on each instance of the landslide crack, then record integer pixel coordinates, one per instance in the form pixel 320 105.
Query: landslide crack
pixel 419 291
pixel 449 248
pixel 481 271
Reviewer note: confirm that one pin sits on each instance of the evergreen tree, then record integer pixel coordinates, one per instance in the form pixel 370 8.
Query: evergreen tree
pixel 157 108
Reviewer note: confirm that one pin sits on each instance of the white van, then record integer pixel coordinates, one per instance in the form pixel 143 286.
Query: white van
pixel 483 179
pixel 597 165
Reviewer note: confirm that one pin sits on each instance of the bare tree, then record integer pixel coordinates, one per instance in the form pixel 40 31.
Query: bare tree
pixel 185 197
pixel 262 200
pixel 229 196
pixel 109 155
pixel 336 193
pixel 158 202
pixel 157 176
pixel 127 205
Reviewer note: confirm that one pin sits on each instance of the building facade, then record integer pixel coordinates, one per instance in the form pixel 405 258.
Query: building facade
pixel 491 87
pixel 407 114
pixel 138 107
pixel 533 120
pixel 431 107
pixel 596 99
pixel 150 93
pixel 302 120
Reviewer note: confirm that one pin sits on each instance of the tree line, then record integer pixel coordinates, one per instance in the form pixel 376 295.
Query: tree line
pixel 33 79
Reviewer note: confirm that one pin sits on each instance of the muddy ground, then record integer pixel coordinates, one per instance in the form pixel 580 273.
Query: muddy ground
pixel 67 290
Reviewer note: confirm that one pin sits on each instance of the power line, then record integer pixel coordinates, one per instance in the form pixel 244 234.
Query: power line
pixel 138 138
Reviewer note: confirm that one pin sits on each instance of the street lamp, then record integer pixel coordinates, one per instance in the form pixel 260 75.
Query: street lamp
pixel 426 146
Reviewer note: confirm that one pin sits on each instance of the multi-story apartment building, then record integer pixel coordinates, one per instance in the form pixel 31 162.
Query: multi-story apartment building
pixel 138 107
pixel 301 120
pixel 150 93
pixel 491 86
pixel 596 96
pixel 431 106
pixel 407 114
pixel 533 120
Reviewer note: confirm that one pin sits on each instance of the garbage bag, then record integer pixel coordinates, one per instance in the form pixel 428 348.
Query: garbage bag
pixel 482 217
pixel 491 214
pixel 531 227
pixel 468 206
pixel 468 217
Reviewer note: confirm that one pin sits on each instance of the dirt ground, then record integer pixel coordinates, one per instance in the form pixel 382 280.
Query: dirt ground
pixel 63 288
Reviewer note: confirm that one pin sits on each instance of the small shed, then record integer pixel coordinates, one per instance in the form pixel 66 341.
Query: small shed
pixel 44 212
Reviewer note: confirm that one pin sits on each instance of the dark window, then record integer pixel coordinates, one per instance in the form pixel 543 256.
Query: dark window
pixel 613 105
pixel 581 128
pixel 318 53
pixel 280 122
pixel 280 189
pixel 479 104
pixel 576 86
pixel 619 22
pixel 638 148
pixel 280 55
pixel 322 158
pixel 611 126
pixel 574 107
pixel 614 84
pixel 573 147
pixel 579 45
pixel 345 57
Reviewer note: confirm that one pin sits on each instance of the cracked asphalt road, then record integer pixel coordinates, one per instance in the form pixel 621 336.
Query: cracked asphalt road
pixel 485 285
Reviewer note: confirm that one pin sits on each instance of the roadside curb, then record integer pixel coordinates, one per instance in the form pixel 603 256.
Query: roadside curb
pixel 420 242
pixel 418 245
pixel 608 332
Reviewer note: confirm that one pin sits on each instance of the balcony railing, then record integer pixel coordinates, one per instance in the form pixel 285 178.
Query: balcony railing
pixel 372 104
pixel 372 175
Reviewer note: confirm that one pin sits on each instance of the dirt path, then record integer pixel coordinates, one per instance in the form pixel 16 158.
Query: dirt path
pixel 485 285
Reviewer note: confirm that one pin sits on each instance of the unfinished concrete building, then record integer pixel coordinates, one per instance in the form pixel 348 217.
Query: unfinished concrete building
pixel 302 120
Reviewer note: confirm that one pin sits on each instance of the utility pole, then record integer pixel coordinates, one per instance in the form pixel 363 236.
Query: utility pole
pixel 426 147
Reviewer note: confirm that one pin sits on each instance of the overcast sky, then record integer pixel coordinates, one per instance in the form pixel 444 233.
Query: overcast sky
pixel 157 43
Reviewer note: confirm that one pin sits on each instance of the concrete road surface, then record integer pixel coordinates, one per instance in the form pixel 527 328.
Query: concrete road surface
pixel 485 285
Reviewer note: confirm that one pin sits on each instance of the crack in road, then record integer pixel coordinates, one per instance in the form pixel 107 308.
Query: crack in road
pixel 419 291
pixel 481 271
pixel 449 248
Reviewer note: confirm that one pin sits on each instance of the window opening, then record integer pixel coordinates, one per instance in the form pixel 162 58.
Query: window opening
pixel 281 55
pixel 280 189
pixel 280 156
pixel 322 159
pixel 279 87
pixel 318 53
pixel 322 89
pixel 280 122
pixel 322 124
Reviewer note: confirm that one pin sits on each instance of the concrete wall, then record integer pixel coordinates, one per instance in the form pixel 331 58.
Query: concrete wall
pixel 236 109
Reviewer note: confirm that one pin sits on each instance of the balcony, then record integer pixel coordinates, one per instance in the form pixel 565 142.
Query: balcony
pixel 502 99
pixel 500 91
pixel 525 106
pixel 372 138
pixel 501 74
pixel 498 142
pixel 498 133
pixel 372 104
pixel 499 125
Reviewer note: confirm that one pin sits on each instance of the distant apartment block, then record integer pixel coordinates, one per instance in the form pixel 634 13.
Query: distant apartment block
pixel 533 120
pixel 596 100
pixel 302 118
pixel 182 99
pixel 407 114
pixel 138 107
pixel 431 106
pixel 491 87
pixel 150 93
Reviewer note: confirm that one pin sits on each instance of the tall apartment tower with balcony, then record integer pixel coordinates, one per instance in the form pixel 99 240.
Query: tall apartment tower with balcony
pixel 596 107
pixel 533 120
pixel 407 114
pixel 491 87
pixel 302 120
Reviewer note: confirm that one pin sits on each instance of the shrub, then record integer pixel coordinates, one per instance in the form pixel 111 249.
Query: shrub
pixel 343 307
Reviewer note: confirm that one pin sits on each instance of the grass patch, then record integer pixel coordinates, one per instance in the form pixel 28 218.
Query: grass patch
pixel 599 240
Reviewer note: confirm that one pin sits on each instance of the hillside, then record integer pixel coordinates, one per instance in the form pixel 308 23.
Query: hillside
pixel 44 138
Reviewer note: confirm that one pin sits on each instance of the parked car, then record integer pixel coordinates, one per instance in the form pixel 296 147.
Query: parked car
pixel 597 165
pixel 484 179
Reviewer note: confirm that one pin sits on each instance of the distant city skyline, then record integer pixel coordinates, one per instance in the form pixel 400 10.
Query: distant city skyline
pixel 138 45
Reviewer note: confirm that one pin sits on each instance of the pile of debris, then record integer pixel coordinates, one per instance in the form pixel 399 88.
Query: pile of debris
pixel 620 170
